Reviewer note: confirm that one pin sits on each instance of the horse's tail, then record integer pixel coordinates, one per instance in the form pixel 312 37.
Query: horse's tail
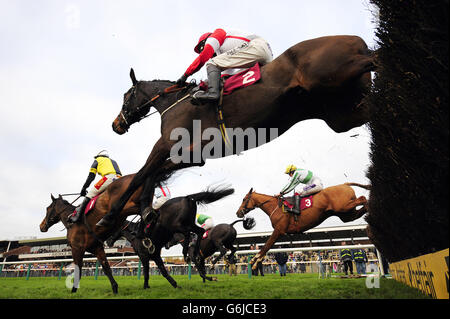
pixel 210 196
pixel 368 187
pixel 248 222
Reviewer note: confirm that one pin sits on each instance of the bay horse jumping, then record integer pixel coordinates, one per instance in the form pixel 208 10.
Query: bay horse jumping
pixel 324 78
pixel 338 200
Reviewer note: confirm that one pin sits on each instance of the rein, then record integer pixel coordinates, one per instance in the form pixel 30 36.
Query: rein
pixel 171 89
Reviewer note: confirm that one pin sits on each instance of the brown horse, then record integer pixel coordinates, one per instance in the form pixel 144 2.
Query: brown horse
pixel 324 78
pixel 339 200
pixel 87 236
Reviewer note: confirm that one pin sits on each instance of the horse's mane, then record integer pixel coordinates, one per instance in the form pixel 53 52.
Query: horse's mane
pixel 162 81
pixel 65 202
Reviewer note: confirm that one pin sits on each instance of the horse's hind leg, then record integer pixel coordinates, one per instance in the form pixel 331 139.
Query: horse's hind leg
pixel 222 251
pixel 350 213
pixel 101 256
pixel 146 266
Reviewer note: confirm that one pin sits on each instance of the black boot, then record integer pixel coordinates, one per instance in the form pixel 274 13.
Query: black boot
pixel 108 220
pixel 213 93
pixel 296 209
pixel 77 213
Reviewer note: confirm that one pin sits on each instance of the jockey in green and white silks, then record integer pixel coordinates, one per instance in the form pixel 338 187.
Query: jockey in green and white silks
pixel 312 183
pixel 206 222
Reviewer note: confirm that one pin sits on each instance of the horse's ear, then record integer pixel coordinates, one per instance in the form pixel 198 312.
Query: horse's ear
pixel 53 198
pixel 59 197
pixel 133 76
pixel 251 190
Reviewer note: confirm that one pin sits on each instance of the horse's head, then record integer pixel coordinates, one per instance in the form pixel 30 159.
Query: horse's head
pixel 53 214
pixel 136 104
pixel 247 205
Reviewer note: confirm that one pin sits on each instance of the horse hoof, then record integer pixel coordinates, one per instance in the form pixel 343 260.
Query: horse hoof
pixel 74 289
pixel 214 279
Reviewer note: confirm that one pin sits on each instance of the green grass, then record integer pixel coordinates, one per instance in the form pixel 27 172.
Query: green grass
pixel 293 286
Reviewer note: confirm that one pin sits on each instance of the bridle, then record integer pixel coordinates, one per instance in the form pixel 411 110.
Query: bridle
pixel 128 117
pixel 54 217
pixel 245 209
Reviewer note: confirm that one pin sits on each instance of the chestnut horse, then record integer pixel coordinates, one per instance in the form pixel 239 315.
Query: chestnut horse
pixel 324 78
pixel 339 200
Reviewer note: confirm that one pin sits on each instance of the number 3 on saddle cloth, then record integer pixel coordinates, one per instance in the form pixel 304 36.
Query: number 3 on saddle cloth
pixel 305 202
pixel 238 80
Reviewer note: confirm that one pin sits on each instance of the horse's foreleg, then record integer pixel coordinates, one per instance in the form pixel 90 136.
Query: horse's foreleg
pixel 159 262
pixel 269 243
pixel 200 264
pixel 199 231
pixel 101 256
pixel 78 261
pixel 156 158
pixel 185 245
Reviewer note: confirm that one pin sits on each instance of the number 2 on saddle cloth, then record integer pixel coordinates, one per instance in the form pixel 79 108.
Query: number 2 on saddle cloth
pixel 238 80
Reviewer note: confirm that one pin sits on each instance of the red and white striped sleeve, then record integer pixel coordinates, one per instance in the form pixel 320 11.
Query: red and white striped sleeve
pixel 212 44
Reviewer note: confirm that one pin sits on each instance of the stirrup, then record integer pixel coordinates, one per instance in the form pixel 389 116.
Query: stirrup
pixel 147 243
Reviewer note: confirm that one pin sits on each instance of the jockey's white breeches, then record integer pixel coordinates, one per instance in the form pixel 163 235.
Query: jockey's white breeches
pixel 314 186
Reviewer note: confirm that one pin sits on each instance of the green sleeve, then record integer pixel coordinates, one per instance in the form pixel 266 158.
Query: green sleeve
pixel 291 185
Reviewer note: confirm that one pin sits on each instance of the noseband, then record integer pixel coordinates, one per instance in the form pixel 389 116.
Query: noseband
pixel 126 116
pixel 245 209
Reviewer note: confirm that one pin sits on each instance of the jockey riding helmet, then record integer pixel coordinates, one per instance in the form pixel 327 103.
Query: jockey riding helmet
pixel 201 42
pixel 290 169
pixel 103 153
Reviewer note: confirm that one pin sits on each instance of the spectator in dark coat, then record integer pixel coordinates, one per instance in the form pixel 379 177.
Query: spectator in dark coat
pixel 346 256
pixel 360 258
pixel 281 258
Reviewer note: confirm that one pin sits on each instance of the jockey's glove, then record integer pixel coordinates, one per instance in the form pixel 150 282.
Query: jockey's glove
pixel 181 80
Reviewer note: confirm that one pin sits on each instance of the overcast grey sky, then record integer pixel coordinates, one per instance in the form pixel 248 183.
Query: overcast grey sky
pixel 64 67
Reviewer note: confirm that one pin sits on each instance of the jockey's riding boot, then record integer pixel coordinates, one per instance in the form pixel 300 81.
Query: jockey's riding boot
pixel 108 219
pixel 296 209
pixel 213 93
pixel 77 213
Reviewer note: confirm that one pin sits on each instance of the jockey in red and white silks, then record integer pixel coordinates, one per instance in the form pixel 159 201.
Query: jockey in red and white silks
pixel 162 195
pixel 222 50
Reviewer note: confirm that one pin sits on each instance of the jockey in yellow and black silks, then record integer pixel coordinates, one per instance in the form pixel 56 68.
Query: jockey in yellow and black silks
pixel 109 171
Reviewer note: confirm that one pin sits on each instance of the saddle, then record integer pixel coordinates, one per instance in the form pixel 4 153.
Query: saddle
pixel 287 203
pixel 233 82
pixel 91 204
